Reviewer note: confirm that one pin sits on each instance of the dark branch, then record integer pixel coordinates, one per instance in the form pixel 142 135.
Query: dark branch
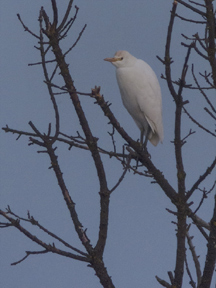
pixel 191 8
pixel 195 257
pixel 167 58
pixel 77 40
pixel 211 253
pixel 210 26
pixel 55 13
pixel 163 282
pixel 201 179
pixel 61 26
pixel 48 247
pixel 201 90
pixel 123 175
pixel 26 28
pixel 197 123
pixel 28 253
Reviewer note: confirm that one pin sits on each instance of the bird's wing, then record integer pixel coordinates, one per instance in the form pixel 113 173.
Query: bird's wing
pixel 149 97
pixel 151 107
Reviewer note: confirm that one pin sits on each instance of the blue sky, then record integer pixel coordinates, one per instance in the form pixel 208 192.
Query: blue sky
pixel 141 240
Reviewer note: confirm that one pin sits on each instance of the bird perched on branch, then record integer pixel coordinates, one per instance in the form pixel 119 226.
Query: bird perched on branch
pixel 141 95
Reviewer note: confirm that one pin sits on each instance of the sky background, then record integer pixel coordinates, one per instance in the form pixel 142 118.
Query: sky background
pixel 141 238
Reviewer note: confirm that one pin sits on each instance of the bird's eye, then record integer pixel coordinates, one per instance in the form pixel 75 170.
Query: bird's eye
pixel 121 58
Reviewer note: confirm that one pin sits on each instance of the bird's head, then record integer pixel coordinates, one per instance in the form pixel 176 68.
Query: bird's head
pixel 122 59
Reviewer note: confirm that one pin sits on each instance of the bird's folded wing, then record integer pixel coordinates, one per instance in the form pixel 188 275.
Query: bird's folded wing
pixel 150 104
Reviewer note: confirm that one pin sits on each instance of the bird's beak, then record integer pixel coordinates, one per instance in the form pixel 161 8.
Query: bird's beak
pixel 112 59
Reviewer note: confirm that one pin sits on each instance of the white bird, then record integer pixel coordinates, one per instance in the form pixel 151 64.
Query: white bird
pixel 141 94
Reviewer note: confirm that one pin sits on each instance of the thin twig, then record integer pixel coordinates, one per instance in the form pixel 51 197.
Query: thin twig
pixel 35 222
pixel 190 20
pixel 60 27
pixel 28 253
pixel 201 179
pixel 196 3
pixel 26 28
pixel 48 247
pixel 195 258
pixel 201 90
pixel 191 8
pixel 197 123
pixel 55 106
pixel 210 113
pixel 77 40
pixel 68 25
pixel 123 175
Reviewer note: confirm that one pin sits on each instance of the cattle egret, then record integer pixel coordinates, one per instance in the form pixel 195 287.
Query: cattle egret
pixel 141 95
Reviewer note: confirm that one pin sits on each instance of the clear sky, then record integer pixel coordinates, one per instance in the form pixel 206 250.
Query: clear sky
pixel 141 241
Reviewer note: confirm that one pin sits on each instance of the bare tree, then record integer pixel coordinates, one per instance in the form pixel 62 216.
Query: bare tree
pixel 133 157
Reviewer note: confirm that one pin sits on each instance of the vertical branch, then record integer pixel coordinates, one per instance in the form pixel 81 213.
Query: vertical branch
pixel 211 253
pixel 181 215
pixel 195 257
pixel 46 76
pixel 70 204
pixel 90 140
pixel 167 58
pixel 55 13
pixel 211 28
pixel 177 141
pixel 180 254
pixel 60 27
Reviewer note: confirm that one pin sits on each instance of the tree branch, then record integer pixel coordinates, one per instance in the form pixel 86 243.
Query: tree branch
pixel 167 58
pixel 48 247
pixel 201 179
pixel 197 11
pixel 211 253
pixel 210 26
pixel 28 253
pixel 195 258
pixel 64 20
pixel 55 13
pixel 48 81
pixel 70 204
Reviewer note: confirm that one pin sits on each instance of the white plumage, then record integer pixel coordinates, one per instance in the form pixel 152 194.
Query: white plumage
pixel 141 94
